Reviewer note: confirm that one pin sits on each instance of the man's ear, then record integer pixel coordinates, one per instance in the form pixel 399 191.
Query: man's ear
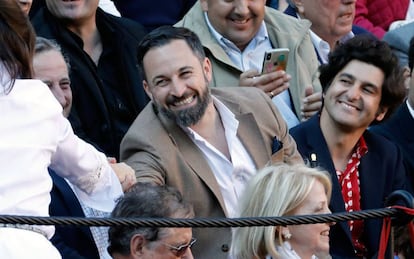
pixel 299 6
pixel 379 116
pixel 146 88
pixel 136 246
pixel 207 67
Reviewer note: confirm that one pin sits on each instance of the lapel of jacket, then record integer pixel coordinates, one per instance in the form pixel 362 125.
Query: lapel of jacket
pixel 405 121
pixel 193 157
pixel 249 133
pixel 317 145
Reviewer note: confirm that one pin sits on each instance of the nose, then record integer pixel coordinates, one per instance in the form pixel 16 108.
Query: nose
pixel 59 95
pixel 354 92
pixel 178 87
pixel 241 7
pixel 188 254
pixel 328 211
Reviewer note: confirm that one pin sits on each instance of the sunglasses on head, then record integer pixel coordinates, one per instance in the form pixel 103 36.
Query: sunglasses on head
pixel 182 249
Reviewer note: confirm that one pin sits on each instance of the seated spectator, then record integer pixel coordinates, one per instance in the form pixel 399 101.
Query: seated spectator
pixel 150 201
pixel 400 127
pixel 235 36
pixel 155 13
pixel 35 137
pixel 50 66
pixel 379 15
pixel 331 23
pixel 399 41
pixel 362 84
pixel 206 142
pixel 107 90
pixel 284 190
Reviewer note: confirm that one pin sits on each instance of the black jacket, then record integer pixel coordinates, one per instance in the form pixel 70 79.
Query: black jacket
pixel 108 97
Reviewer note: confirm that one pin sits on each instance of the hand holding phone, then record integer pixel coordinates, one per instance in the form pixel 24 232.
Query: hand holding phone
pixel 275 60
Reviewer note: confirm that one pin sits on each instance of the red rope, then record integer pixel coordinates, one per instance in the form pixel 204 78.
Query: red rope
pixel 386 230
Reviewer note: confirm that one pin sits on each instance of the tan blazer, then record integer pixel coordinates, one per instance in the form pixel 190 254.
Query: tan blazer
pixel 161 152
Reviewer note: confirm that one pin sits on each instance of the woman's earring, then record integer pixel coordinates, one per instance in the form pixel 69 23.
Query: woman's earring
pixel 286 235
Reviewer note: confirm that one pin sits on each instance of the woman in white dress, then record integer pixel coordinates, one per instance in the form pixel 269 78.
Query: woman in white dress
pixel 284 190
pixel 33 136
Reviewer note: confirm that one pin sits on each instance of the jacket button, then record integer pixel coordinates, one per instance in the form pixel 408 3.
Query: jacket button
pixel 225 248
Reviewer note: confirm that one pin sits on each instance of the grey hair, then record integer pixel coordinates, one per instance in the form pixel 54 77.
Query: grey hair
pixel 44 45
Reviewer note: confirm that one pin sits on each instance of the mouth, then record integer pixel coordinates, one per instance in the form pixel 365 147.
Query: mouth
pixel 183 102
pixel 239 21
pixel 349 106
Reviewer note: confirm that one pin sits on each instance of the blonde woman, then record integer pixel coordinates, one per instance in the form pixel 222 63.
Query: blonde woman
pixel 284 190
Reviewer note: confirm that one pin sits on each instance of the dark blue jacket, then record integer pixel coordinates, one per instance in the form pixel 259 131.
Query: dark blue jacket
pixel 73 242
pixel 399 129
pixel 381 171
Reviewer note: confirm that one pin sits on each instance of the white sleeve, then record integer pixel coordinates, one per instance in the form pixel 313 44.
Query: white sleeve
pixel 94 181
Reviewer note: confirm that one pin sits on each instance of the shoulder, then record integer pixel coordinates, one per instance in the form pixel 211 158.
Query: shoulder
pixel 401 35
pixel 379 144
pixel 123 25
pixel 300 130
pixel 284 23
pixel 248 98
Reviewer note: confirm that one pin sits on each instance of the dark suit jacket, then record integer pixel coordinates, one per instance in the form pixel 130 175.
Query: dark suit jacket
pixel 399 129
pixel 161 152
pixel 73 242
pixel 95 115
pixel 381 171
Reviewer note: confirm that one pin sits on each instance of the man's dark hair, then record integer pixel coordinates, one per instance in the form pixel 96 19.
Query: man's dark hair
pixel 164 35
pixel 371 50
pixel 145 200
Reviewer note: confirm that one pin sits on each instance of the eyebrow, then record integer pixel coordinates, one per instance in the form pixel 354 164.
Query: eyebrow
pixel 365 83
pixel 181 69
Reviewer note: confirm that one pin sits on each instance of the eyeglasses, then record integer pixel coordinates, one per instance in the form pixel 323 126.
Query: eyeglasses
pixel 182 249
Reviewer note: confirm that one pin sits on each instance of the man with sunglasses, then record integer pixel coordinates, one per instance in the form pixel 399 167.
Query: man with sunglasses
pixel 145 200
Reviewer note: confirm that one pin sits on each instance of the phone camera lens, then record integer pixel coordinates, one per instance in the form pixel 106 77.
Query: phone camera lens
pixel 268 56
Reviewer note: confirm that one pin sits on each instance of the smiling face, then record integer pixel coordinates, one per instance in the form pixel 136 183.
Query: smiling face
pixel 50 67
pixel 177 82
pixel 236 20
pixel 70 10
pixel 331 19
pixel 316 239
pixel 352 101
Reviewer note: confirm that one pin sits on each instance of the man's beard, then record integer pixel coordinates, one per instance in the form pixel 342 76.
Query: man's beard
pixel 191 115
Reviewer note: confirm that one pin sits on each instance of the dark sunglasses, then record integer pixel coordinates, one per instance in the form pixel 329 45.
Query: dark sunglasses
pixel 182 249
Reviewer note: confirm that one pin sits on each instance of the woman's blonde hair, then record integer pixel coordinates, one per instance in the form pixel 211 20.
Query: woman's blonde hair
pixel 276 190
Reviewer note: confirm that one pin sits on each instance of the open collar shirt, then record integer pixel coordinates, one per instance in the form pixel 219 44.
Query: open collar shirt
pixel 231 175
pixel 252 58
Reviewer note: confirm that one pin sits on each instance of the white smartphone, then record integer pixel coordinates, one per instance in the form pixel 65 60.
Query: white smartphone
pixel 275 60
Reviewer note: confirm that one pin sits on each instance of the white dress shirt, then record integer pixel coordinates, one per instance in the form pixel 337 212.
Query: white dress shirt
pixel 233 175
